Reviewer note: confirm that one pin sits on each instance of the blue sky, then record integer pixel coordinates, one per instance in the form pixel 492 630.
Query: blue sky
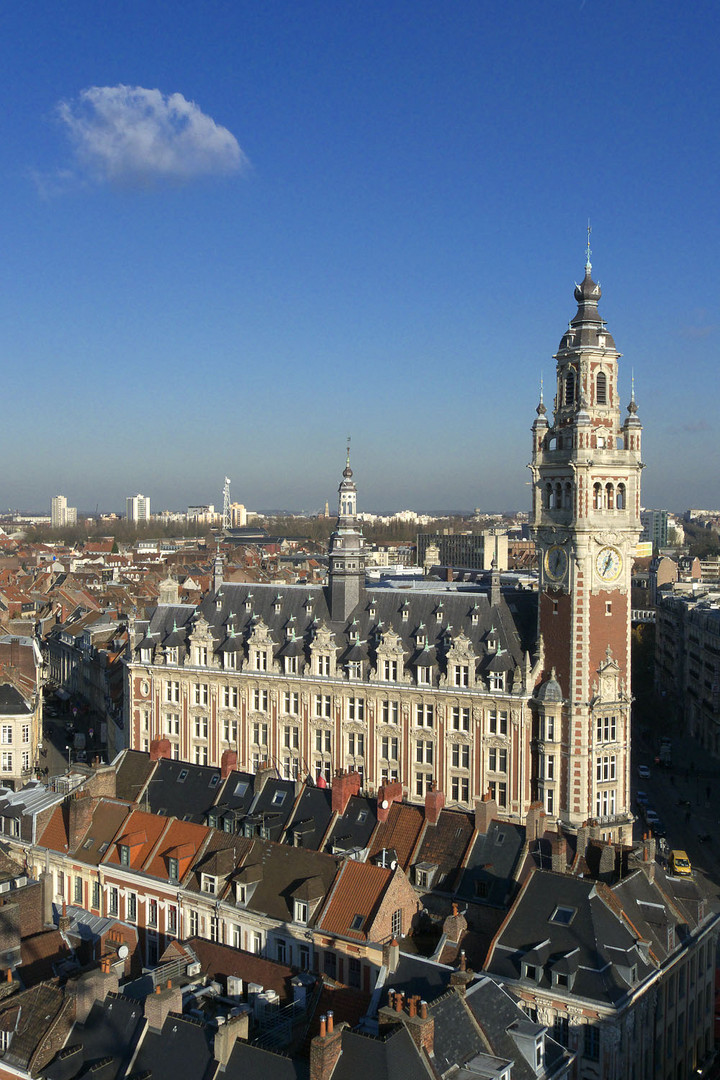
pixel 303 220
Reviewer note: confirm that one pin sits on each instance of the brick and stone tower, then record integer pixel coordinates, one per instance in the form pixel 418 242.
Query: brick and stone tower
pixel 346 572
pixel 586 522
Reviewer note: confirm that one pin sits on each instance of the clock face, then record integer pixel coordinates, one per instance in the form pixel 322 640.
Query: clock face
pixel 608 564
pixel 556 561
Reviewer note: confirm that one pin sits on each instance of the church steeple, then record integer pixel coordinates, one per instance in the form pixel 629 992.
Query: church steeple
pixel 346 575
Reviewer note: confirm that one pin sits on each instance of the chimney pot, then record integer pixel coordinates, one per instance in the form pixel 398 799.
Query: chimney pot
pixel 423 1010
pixel 323 1031
pixel 329 1022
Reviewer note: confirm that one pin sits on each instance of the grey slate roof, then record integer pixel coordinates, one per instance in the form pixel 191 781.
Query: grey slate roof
pixel 514 620
pixel 110 1031
pixel 182 1048
pixel 419 975
pixel 12 702
pixel 487 875
pixel 184 791
pixel 385 1058
pixel 354 828
pixel 310 821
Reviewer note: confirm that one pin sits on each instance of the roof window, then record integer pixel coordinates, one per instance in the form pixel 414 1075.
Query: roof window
pixel 240 788
pixel 357 922
pixel 214 780
pixel 182 776
pixel 279 798
pixel 563 915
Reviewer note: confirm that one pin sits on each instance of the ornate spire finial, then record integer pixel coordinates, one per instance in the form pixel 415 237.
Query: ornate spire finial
pixel 541 410
pixel 588 264
pixel 347 472
pixel 347 461
pixel 632 407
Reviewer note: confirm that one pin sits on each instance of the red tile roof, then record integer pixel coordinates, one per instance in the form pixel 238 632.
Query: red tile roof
pixel 400 832
pixel 357 891
pixel 55 834
pixel 138 822
pixel 182 841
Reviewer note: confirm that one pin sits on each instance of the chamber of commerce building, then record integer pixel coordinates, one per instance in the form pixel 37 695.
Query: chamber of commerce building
pixel 522 694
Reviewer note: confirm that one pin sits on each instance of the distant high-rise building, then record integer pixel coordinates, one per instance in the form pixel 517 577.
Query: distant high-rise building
pixel 654 528
pixel 138 508
pixel 238 516
pixel 61 514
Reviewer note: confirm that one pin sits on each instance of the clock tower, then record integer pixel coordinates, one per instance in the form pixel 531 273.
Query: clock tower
pixel 586 522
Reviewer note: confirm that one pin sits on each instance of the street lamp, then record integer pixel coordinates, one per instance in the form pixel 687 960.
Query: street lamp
pixel 69 752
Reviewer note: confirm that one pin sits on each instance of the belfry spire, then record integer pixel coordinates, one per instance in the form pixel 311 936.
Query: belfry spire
pixel 346 574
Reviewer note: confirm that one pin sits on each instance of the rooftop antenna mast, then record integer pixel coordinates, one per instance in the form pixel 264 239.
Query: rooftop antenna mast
pixel 226 504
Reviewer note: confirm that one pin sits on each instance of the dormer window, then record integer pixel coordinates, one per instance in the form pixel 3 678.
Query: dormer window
pixel 171 655
pixel 124 854
pixel 497 680
pixel 201 655
pixel 277 604
pixel 241 893
pixel 532 972
pixel 405 613
pixel 300 911
pixel 261 660
pixel 174 870
pixel 208 884
pixel 146 656
pixel 230 661
pixel 291 665
pixel 248 602
pixel 354 669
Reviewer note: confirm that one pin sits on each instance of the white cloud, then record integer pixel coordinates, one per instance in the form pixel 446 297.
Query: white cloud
pixel 129 134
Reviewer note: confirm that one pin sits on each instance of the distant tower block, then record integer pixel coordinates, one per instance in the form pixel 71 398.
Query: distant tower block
pixel 226 504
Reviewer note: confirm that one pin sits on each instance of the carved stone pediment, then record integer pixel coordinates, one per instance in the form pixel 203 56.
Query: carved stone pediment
pixel 324 639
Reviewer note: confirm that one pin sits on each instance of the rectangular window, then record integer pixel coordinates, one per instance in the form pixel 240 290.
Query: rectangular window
pixel 230 661
pixel 460 788
pixel 323 706
pixel 193 923
pixel 606 729
pixel 356 708
pixel 605 802
pixel 424 715
pixel 214 928
pixel 591 1043
pixel 606 768
pixel 322 665
pixel 79 891
pixel 201 755
pixel 461 756
pixel 549 766
pixel 172 724
pixel 498 791
pixel 460 718
pixel 172 690
pixel 255 942
pixel 131 906
pixel 124 854
pixel 201 655
pixel 291 737
pixel 498 721
pixel 261 659
pixel 291 665
pixel 390 670
pixel 113 902
pixel 25 760
pixel 230 697
pixel 201 693
pixel 423 783
pixel 171 920
pixel 461 675
pixel 356 744
pixel 260 733
pixel 230 730
pixel 389 746
pixel 390 712
pixel 496 680
pixel 201 727
pixel 424 751
pixel 396 923
pixel 6 761
pixel 26 733
pixel 291 702
pixel 6 733
pixel 323 740
pixel 96 895
pixel 260 700
pixel 152 913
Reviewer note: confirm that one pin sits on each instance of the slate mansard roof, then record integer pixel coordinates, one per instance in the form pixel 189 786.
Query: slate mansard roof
pixel 499 634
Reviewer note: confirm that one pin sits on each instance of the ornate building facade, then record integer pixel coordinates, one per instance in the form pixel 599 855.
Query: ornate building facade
pixel 523 695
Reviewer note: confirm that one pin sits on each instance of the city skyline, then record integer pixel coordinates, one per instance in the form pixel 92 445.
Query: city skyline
pixel 233 236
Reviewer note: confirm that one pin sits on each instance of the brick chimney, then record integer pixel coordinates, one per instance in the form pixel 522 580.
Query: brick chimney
pixel 421 1027
pixel 325 1049
pixel 92 986
pixel 455 925
pixel 387 795
pixel 160 748
pixel 535 821
pixel 462 976
pixel 228 762
pixel 434 802
pixel 159 1004
pixel 583 838
pixel 485 811
pixel 648 857
pixel 391 955
pixel 558 856
pixel 262 776
pixel 80 811
pixel 234 1028
pixel 344 786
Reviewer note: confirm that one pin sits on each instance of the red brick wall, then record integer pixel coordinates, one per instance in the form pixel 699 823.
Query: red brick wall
pixel 555 629
pixel 609 630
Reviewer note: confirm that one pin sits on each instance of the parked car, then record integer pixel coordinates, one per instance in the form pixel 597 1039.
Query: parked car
pixel 642 798
pixel 658 828
pixel 680 864
pixel 643 772
pixel 651 816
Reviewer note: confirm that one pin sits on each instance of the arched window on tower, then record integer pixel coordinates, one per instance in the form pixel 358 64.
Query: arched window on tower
pixel 548 496
pixel 597 497
pixel 601 388
pixel 558 496
pixel 570 387
pixel 620 499
pixel 610 496
pixel 568 496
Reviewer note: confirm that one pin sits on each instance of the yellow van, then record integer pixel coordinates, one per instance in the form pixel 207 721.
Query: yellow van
pixel 680 864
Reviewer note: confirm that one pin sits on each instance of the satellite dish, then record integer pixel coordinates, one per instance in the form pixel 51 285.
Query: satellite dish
pixel 385 804
pixel 123 952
